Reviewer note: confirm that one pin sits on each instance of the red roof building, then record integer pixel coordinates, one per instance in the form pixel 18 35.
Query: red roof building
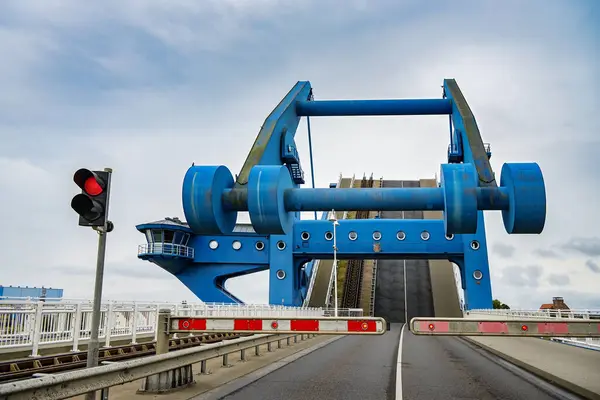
pixel 558 303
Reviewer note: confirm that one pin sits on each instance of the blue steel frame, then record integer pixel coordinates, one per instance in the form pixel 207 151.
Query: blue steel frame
pixel 268 187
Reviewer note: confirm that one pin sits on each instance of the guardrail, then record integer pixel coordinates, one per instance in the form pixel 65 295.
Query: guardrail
pixel 68 384
pixel 575 313
pixel 593 314
pixel 32 325
pixel 166 249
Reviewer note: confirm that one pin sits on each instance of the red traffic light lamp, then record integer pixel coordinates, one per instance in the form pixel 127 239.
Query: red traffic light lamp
pixel 91 203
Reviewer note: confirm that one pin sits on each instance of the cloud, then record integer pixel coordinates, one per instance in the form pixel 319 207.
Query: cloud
pixel 256 292
pixel 504 250
pixel 593 266
pixel 522 276
pixel 546 253
pixel 148 88
pixel 589 246
pixel 559 279
pixel 115 270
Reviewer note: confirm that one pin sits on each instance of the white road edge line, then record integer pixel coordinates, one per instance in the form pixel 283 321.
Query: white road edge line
pixel 399 366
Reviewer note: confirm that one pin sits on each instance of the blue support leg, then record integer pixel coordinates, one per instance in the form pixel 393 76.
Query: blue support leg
pixel 302 280
pixel 207 281
pixel 475 270
pixel 283 275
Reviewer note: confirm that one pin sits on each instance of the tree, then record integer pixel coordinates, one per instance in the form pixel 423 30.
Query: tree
pixel 498 305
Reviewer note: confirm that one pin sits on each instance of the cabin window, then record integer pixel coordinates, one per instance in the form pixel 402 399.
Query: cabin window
pixel 178 237
pixel 169 236
pixel 157 235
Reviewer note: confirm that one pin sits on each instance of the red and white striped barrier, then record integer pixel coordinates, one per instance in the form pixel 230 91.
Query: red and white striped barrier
pixel 510 327
pixel 314 325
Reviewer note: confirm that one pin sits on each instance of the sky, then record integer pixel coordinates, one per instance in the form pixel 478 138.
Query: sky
pixel 150 87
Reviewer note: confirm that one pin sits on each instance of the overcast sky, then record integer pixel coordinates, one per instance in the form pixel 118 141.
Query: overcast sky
pixel 147 88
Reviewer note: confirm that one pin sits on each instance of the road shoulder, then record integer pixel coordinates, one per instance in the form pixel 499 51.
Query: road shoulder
pixel 535 357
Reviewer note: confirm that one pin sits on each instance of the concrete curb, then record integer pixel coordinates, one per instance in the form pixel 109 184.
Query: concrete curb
pixel 243 381
pixel 577 389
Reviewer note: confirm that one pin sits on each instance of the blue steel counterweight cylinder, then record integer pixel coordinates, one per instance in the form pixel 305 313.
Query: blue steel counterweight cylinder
pixel 272 200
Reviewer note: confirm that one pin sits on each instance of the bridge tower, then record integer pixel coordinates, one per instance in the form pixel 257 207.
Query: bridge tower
pixel 269 188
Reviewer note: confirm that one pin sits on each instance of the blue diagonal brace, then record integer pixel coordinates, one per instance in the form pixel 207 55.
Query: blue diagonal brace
pixel 464 121
pixel 266 148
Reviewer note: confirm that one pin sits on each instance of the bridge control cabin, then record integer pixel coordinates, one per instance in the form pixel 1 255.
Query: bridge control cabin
pixel 170 243
pixel 167 244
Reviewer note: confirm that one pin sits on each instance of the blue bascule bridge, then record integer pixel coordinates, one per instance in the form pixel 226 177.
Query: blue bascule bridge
pixel 210 247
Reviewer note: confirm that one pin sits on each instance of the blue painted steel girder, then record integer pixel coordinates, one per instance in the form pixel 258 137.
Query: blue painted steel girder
pixel 248 253
pixel 375 239
pixel 401 239
pixel 396 239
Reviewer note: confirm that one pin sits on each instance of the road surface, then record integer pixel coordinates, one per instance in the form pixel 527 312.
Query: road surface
pixel 362 367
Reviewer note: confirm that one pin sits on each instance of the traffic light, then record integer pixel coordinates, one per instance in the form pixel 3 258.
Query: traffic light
pixel 91 203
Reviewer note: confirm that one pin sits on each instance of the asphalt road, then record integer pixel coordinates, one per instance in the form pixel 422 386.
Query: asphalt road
pixel 354 367
pixel 450 368
pixel 393 301
pixel 433 368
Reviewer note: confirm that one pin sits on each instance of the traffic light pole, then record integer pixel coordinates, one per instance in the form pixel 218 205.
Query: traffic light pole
pixel 94 345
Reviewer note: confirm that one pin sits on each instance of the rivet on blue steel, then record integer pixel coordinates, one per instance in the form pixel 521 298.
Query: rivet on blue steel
pixel 268 187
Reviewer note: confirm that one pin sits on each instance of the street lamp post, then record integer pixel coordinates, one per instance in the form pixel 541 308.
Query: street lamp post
pixel 335 222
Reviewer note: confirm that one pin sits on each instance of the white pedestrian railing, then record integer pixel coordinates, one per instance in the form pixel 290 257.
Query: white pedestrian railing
pixel 575 313
pixel 343 312
pixel 166 249
pixel 589 343
pixel 30 324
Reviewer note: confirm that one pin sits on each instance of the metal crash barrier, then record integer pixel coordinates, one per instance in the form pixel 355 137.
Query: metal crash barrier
pixel 510 327
pixel 281 325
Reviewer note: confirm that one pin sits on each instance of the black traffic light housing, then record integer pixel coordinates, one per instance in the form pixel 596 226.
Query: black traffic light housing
pixel 91 203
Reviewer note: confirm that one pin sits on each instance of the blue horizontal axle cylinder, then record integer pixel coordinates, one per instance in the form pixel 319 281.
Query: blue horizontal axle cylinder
pixel 331 108
pixel 384 199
